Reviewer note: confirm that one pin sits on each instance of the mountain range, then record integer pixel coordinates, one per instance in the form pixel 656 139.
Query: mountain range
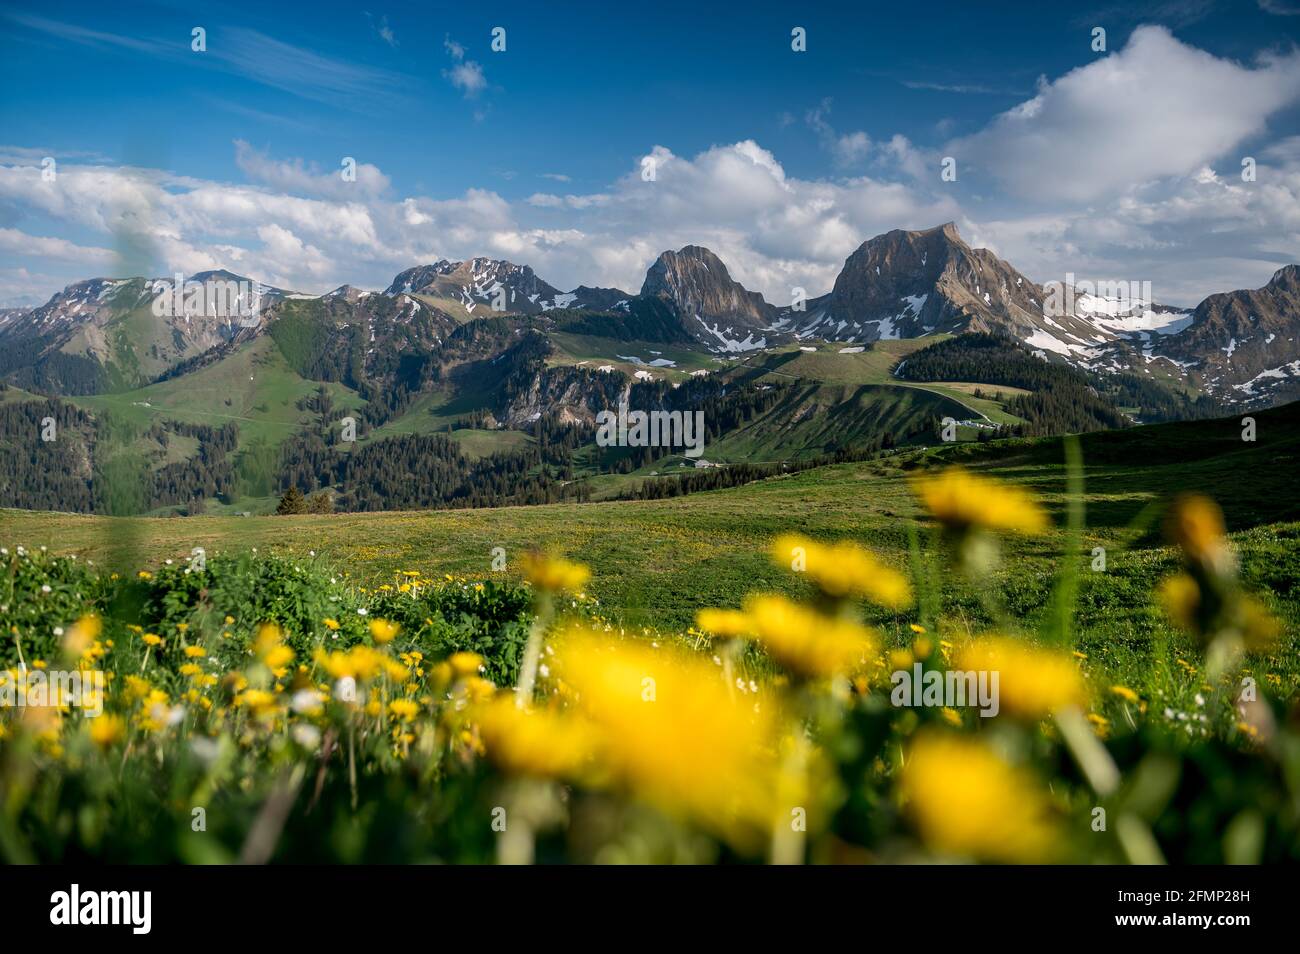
pixel 918 325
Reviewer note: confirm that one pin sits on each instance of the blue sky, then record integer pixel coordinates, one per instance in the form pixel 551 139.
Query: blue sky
pixel 781 161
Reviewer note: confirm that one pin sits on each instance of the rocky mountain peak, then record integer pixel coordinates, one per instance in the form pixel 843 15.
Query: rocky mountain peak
pixel 696 282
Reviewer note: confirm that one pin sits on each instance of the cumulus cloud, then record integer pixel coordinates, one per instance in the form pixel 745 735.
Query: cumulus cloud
pixel 301 229
pixel 1190 234
pixel 296 176
pixel 846 148
pixel 18 242
pixel 1156 108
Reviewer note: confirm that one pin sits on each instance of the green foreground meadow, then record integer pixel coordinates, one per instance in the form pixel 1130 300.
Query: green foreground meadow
pixel 467 690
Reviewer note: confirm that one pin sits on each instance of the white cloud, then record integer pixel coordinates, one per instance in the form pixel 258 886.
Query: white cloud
pixel 383 30
pixel 848 148
pixel 1190 234
pixel 295 176
pixel 466 75
pixel 300 229
pixel 20 243
pixel 1156 108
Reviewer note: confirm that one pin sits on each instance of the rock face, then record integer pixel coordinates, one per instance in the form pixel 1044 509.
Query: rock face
pixel 712 305
pixel 908 284
pixel 1245 345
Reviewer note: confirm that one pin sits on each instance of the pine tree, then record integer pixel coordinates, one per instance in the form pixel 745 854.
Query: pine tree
pixel 292 502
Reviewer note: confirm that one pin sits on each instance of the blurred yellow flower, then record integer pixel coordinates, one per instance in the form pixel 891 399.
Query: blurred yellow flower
pixel 331 624
pixel 1032 682
pixel 843 569
pixel 195 652
pixel 727 623
pixel 1195 523
pixel 258 701
pixel 1259 629
pixel 535 742
pixel 1181 598
pixel 1125 693
pixel 404 709
pixel 107 730
pixel 806 641
pixel 465 664
pixel 382 631
pixel 961 500
pixel 268 636
pixel 966 801
pixel 81 635
pixel 152 639
pixel 553 573
pixel 677 739
pixel 277 657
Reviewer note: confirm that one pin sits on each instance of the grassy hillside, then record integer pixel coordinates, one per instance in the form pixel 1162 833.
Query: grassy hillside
pixel 657 562
pixel 254 387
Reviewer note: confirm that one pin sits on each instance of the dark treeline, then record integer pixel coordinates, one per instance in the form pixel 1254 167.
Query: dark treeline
pixel 725 408
pixel 734 475
pixel 1064 399
pixel 102 465
pixel 31 364
pixel 428 471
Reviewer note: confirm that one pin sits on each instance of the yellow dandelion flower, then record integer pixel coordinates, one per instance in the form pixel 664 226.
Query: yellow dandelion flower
pixel 535 742
pixel 1032 682
pixel 190 669
pixel 277 657
pixel 727 623
pixel 195 652
pixel 152 639
pixel 465 664
pixel 678 739
pixel 331 624
pixel 843 569
pixel 1181 599
pixel 1125 693
pixel 382 631
pixel 806 641
pixel 81 635
pixel 553 573
pixel 107 730
pixel 257 701
pixel 966 801
pixel 900 659
pixel 1195 523
pixel 136 688
pixel 961 500
pixel 404 709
